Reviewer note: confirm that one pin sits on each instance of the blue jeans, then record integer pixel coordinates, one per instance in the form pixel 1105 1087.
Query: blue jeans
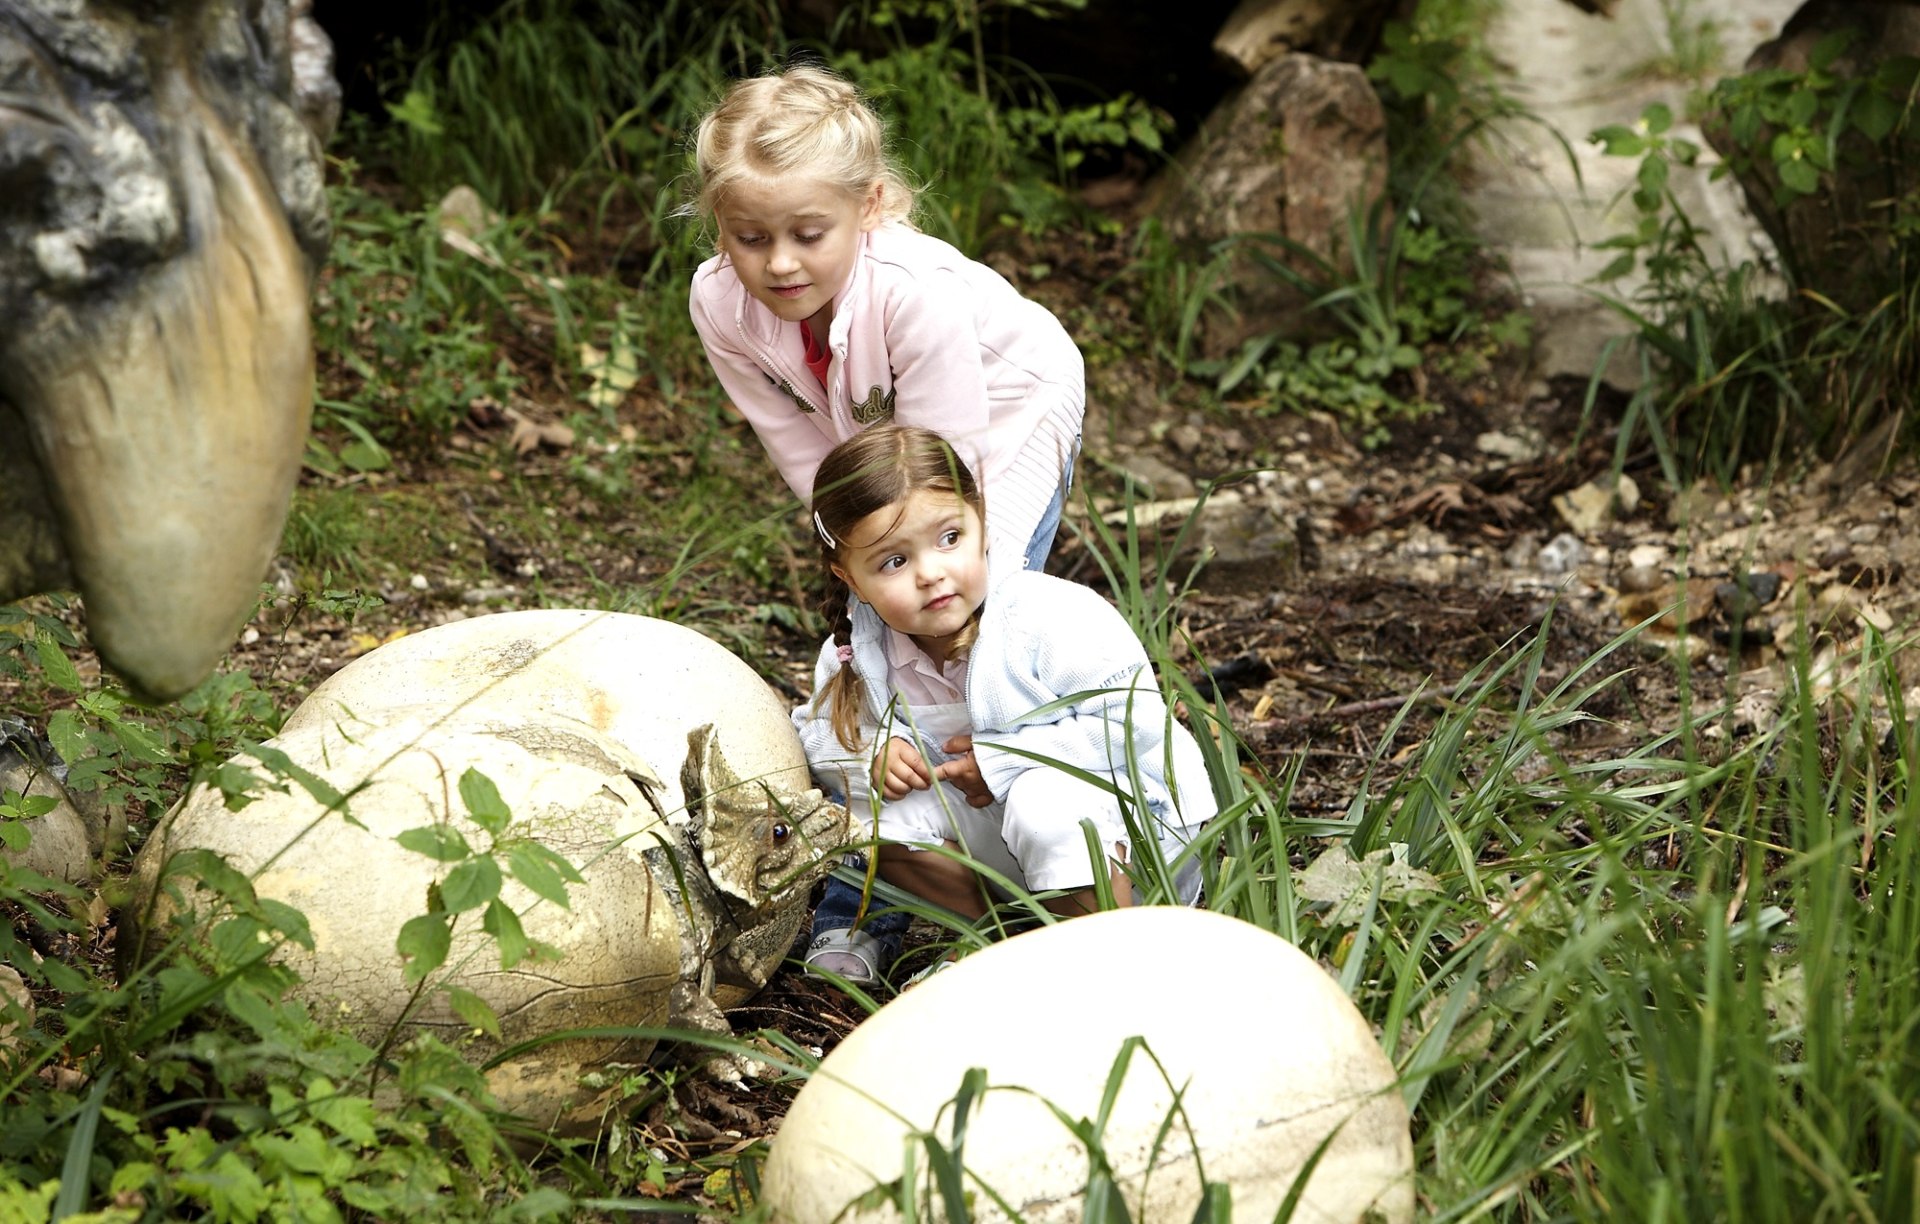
pixel 841 902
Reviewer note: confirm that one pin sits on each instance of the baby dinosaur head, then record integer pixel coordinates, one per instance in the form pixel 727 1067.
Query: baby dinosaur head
pixel 758 839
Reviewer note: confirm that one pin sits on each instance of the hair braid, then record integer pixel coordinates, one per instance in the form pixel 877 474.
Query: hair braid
pixel 844 693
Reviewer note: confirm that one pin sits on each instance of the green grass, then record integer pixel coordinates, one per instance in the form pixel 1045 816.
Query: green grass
pixel 1675 981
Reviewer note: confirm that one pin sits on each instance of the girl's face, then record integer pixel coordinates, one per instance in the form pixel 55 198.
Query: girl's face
pixel 793 240
pixel 922 564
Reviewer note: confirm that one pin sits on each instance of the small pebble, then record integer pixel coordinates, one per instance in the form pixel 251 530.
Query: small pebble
pixel 1562 554
pixel 1736 601
pixel 418 582
pixel 1638 579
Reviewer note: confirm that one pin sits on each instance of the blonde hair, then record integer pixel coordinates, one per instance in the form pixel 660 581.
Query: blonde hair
pixel 876 469
pixel 805 120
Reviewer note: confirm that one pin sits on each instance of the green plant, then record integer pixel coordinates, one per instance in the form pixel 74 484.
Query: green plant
pixel 1799 122
pixel 1405 289
pixel 408 322
pixel 1731 373
pixel 993 159
pixel 1441 85
pixel 473 882
pixel 520 103
pixel 1693 52
pixel 1171 287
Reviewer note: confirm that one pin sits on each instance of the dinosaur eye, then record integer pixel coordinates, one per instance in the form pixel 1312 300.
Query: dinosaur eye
pixel 780 831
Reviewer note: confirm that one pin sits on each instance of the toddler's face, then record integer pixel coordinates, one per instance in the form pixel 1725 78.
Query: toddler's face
pixel 922 564
pixel 792 242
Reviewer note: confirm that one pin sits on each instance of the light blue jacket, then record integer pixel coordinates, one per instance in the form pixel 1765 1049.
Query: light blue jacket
pixel 1041 639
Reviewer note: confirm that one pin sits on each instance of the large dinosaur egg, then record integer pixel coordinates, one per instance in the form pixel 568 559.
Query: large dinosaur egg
pixel 642 682
pixel 1268 1056
pixel 619 938
pixel 652 758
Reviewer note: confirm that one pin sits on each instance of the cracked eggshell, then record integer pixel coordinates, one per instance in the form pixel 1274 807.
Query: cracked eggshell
pixel 642 682
pixel 1272 1056
pixel 619 938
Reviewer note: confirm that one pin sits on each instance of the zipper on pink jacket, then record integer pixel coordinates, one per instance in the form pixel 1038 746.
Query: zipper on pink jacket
pixel 786 384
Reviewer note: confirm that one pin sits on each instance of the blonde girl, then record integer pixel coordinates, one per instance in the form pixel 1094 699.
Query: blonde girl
pixel 954 692
pixel 823 311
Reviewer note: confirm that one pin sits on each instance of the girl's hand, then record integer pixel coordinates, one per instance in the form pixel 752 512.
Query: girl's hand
pixel 900 769
pixel 964 772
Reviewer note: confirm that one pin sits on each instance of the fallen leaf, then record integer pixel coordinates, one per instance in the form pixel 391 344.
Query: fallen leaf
pixel 613 373
pixel 1337 879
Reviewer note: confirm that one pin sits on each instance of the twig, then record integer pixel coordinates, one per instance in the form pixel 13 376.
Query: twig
pixel 1372 705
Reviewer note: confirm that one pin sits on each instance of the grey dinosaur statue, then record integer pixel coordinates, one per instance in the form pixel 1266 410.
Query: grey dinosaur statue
pixel 162 214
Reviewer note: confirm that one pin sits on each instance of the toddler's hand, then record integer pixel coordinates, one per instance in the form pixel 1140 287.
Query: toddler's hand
pixel 964 772
pixel 900 769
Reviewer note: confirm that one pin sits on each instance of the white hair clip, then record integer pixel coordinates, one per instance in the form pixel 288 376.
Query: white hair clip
pixel 825 535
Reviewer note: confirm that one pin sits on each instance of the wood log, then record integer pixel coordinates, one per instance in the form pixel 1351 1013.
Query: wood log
pixel 1259 31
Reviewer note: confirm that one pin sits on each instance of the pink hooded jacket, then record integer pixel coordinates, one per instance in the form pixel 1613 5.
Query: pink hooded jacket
pixel 921 335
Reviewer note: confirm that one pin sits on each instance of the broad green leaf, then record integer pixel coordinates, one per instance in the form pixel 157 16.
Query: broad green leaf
pixel 473 1009
pixel 1798 174
pixel 441 843
pixel 423 943
pixel 1829 48
pixel 1657 118
pixel 214 873
pixel 471 885
pixel 318 788
pixel 303 1149
pixel 543 872
pixel 1653 176
pixel 288 920
pixel 54 664
pixel 138 743
pixel 1620 141
pixel 483 801
pixel 236 784
pixel 1875 115
pixel 1898 75
pixel 349 1116
pixel 504 925
pixel 1802 106
pixel 27 807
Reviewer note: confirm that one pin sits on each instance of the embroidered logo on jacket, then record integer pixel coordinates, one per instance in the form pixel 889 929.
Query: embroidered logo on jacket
pixel 878 406
pixel 797 397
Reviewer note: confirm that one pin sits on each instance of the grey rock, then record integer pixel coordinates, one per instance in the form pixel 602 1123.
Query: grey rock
pixel 1290 154
pixel 62 842
pixel 1154 477
pixel 1639 579
pixel 16 1007
pixel 1562 554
